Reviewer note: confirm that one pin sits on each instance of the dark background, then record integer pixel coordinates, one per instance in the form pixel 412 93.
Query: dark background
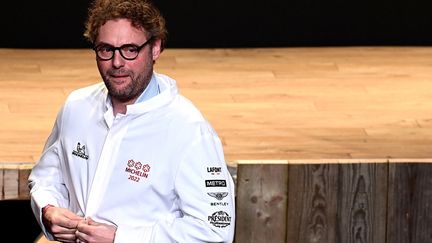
pixel 18 222
pixel 234 23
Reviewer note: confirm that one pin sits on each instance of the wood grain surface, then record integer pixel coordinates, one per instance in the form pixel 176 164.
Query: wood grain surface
pixel 268 103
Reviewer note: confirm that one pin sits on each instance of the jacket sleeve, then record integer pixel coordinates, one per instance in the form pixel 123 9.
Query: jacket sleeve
pixel 206 198
pixel 45 181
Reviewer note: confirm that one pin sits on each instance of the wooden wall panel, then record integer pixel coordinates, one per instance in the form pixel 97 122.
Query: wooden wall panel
pixel 372 202
pixel 410 203
pixel 13 180
pixel 362 202
pixel 23 189
pixel 312 203
pixel 10 184
pixel 261 203
pixel 2 185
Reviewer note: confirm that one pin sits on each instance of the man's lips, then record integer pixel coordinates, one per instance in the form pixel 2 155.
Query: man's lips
pixel 119 75
pixel 119 78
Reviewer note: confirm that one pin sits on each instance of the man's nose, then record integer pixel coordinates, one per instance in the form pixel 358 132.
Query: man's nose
pixel 118 60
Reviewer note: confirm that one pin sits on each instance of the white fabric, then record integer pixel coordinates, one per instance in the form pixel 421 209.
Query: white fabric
pixel 157 172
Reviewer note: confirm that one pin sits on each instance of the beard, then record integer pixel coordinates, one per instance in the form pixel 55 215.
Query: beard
pixel 134 88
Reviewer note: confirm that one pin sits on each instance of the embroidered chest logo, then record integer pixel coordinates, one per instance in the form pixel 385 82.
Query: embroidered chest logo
pixel 80 151
pixel 137 170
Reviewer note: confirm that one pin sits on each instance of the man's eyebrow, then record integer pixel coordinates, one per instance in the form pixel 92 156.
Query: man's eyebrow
pixel 103 44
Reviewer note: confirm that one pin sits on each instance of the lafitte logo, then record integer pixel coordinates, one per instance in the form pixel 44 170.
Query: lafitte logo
pixel 214 170
pixel 80 151
pixel 137 170
pixel 220 219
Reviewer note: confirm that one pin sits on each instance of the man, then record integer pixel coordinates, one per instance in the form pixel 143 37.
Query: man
pixel 130 160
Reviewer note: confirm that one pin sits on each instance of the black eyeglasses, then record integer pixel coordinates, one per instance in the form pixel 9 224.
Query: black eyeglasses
pixel 106 52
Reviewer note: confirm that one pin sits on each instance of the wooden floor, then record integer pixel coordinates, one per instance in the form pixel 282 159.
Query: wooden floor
pixel 266 104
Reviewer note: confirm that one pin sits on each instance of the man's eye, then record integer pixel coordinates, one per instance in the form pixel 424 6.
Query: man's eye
pixel 130 49
pixel 105 49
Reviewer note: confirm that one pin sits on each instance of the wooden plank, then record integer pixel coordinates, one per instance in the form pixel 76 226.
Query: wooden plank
pixel 1 184
pixel 312 203
pixel 23 189
pixel 362 202
pixel 261 203
pixel 10 184
pixel 13 180
pixel 410 203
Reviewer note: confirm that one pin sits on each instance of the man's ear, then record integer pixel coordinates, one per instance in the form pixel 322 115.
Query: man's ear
pixel 156 49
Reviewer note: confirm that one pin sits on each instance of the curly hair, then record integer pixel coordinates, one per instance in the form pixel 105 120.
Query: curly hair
pixel 141 13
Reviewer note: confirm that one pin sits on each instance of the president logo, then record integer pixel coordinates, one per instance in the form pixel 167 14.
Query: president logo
pixel 137 170
pixel 215 183
pixel 220 219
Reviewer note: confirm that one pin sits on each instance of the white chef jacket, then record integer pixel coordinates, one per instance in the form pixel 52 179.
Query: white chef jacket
pixel 157 172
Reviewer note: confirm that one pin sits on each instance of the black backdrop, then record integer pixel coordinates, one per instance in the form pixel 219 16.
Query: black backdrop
pixel 234 23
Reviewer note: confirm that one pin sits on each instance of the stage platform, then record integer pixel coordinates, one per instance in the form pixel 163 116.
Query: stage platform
pixel 266 104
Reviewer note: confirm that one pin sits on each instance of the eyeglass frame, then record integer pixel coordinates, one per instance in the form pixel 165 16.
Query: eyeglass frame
pixel 119 48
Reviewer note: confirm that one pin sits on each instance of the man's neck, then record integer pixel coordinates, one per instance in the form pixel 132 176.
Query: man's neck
pixel 151 90
pixel 119 106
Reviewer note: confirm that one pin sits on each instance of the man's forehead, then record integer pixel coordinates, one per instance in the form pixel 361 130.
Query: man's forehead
pixel 120 30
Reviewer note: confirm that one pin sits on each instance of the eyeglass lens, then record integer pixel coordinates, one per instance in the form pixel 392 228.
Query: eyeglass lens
pixel 106 52
pixel 128 51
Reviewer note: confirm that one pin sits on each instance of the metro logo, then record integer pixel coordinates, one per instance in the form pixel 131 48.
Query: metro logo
pixel 215 183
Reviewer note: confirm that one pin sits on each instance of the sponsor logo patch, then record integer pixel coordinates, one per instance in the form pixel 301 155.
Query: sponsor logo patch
pixel 214 170
pixel 214 204
pixel 220 219
pixel 218 195
pixel 137 170
pixel 215 183
pixel 80 151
